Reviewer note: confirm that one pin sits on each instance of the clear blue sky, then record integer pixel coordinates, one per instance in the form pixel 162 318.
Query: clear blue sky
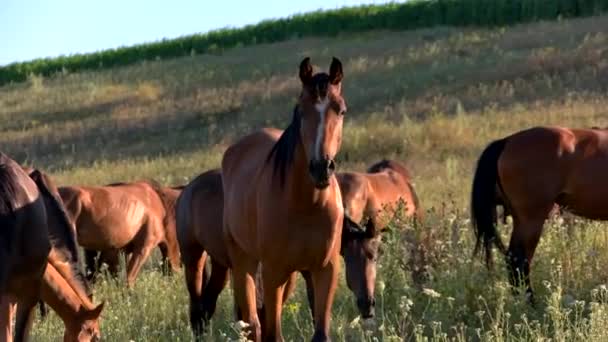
pixel 45 28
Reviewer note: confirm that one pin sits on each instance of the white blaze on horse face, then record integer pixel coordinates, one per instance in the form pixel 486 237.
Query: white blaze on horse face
pixel 321 107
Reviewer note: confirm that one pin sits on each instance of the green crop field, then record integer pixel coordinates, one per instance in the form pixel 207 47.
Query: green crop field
pixel 432 98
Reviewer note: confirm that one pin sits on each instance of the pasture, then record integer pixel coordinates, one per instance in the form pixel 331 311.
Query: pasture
pixel 432 98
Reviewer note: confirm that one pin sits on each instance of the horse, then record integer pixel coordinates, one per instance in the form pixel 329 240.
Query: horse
pixel 370 200
pixel 111 257
pixel 531 170
pixel 199 231
pixel 134 217
pixel 35 237
pixel 282 204
pixel 200 234
pixel 79 315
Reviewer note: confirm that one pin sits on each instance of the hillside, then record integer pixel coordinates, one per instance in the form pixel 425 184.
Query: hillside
pixel 412 14
pixel 431 97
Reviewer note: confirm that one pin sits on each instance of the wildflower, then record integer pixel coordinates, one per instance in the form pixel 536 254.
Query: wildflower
pixel 241 325
pixel 381 286
pixel 431 293
pixel 355 322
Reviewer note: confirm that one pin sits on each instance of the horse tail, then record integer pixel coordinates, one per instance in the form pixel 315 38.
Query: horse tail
pixel 484 200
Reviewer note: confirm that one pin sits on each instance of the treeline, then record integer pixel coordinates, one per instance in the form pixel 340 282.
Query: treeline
pixel 393 16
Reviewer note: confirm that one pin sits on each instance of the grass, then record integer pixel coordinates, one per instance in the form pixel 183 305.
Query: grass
pixel 432 98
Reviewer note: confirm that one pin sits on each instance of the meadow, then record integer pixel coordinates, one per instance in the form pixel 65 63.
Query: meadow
pixel 432 98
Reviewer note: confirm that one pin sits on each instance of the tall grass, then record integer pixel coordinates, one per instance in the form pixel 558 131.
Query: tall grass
pixel 413 14
pixel 432 98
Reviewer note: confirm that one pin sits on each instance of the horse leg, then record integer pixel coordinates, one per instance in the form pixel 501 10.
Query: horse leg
pixel 91 264
pixel 309 293
pixel 112 259
pixel 243 282
pixel 524 239
pixel 194 264
pixel 290 286
pixel 213 288
pixel 274 286
pixel 7 312
pixel 25 311
pixel 325 281
pixel 164 252
pixel 139 256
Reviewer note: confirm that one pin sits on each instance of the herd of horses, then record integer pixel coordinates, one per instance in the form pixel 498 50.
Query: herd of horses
pixel 275 208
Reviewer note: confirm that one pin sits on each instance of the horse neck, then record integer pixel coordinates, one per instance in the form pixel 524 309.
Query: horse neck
pixel 61 297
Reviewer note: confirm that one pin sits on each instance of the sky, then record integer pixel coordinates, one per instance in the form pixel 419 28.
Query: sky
pixel 47 28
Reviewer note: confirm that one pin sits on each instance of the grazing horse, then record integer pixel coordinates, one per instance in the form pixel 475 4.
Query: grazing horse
pixel 374 198
pixel 532 170
pixel 34 231
pixel 282 204
pixel 134 217
pixel 111 257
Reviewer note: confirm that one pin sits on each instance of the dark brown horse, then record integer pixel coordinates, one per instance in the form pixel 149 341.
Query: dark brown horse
pixel 532 170
pixel 134 217
pixel 282 204
pixel 34 231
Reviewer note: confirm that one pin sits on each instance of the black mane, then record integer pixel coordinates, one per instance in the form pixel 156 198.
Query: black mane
pixel 284 149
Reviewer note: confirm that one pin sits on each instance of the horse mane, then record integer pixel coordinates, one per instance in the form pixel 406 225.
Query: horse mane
pixel 387 164
pixel 8 188
pixel 284 149
pixel 8 193
pixel 63 237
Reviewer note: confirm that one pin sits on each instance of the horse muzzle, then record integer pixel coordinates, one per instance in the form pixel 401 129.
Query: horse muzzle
pixel 367 307
pixel 321 171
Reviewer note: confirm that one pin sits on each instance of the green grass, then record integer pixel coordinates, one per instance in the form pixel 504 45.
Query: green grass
pixel 432 98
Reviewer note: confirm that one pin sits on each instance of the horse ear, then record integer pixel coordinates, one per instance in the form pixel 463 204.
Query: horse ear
pixel 335 71
pixel 94 313
pixel 305 71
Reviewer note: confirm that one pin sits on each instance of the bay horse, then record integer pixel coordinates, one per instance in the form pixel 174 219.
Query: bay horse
pixel 532 170
pixel 134 217
pixel 283 207
pixel 34 231
pixel 111 257
pixel 370 201
pixel 199 231
pixel 200 234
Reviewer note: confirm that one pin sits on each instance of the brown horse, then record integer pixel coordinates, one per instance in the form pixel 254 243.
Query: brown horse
pixel 79 315
pixel 532 170
pixel 283 207
pixel 134 217
pixel 199 229
pixel 371 200
pixel 111 257
pixel 35 230
pixel 200 234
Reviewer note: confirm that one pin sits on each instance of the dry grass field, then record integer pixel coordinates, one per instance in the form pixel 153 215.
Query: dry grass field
pixel 431 98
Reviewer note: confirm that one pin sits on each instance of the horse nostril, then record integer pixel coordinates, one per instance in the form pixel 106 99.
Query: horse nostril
pixel 331 166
